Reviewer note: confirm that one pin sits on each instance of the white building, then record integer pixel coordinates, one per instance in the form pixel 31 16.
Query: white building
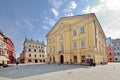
pixel 33 52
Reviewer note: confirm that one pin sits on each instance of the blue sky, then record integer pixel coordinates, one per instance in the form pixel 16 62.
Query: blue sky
pixel 35 18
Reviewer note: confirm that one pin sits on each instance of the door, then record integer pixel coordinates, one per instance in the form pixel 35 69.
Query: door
pixel 61 59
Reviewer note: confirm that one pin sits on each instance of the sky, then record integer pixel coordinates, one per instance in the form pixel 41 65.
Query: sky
pixel 33 19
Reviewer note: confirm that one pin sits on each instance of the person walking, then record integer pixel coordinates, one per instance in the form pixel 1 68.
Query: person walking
pixel 17 63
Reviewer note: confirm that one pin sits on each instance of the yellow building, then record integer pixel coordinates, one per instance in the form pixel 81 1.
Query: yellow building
pixel 76 39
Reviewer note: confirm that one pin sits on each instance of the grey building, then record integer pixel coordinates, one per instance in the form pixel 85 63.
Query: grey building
pixel 116 46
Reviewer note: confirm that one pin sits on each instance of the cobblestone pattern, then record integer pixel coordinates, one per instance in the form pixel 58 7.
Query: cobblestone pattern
pixel 110 71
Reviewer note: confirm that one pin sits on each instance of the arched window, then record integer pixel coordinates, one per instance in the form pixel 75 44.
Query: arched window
pixel 110 54
pixel 35 55
pixel 29 49
pixel 29 55
pixel 34 50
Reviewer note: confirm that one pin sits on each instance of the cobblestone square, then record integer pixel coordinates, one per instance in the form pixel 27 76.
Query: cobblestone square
pixel 110 71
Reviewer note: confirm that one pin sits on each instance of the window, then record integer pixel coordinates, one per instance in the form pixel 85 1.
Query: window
pixel 35 55
pixel 29 45
pixel 74 45
pixel 39 50
pixel 42 51
pixel 115 54
pixel 40 55
pixel 83 43
pixel 29 60
pixel 36 46
pixel 62 47
pixel 118 48
pixel 52 40
pixel 53 49
pixel 114 48
pixel 29 55
pixel 110 59
pixel 40 60
pixel 110 54
pixel 0 52
pixel 61 36
pixel 33 45
pixel 109 48
pixel 50 50
pixel 34 50
pixel 43 60
pixel 118 54
pixel 29 50
pixel 116 59
pixel 82 29
pixel 74 32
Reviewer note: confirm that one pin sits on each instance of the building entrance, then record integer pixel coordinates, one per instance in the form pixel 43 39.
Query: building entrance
pixel 75 59
pixel 61 59
pixel 36 61
pixel 54 59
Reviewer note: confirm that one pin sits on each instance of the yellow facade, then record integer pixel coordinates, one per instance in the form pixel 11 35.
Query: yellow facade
pixel 76 39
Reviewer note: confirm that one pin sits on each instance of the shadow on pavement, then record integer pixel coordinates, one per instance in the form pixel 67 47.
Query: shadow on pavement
pixel 20 71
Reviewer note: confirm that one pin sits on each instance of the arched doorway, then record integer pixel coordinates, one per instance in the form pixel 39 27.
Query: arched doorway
pixel 36 61
pixel 61 59
pixel 54 60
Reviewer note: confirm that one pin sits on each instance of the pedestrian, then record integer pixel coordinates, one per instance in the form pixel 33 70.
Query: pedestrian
pixel 17 63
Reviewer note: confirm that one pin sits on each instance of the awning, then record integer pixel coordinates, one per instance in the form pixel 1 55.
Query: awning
pixel 3 58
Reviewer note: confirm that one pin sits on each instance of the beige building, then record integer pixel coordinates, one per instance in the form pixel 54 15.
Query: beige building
pixel 3 49
pixel 33 52
pixel 76 39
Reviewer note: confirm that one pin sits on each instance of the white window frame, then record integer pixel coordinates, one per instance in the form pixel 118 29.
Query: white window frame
pixel 75 45
pixel 61 36
pixel 82 29
pixel 74 32
pixel 62 47
pixel 83 43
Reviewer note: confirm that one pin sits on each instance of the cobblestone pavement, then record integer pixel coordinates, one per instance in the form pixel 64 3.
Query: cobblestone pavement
pixel 110 71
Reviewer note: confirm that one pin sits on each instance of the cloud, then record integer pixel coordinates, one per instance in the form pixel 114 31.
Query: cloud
pixel 55 12
pixel 28 24
pixel 56 3
pixel 69 14
pixel 48 22
pixel 45 27
pixel 70 7
pixel 107 12
pixel 55 6
pixel 17 22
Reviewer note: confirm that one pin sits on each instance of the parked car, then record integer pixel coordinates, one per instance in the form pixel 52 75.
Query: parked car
pixel 3 65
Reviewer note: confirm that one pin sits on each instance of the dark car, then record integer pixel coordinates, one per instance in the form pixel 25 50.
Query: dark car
pixel 4 65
